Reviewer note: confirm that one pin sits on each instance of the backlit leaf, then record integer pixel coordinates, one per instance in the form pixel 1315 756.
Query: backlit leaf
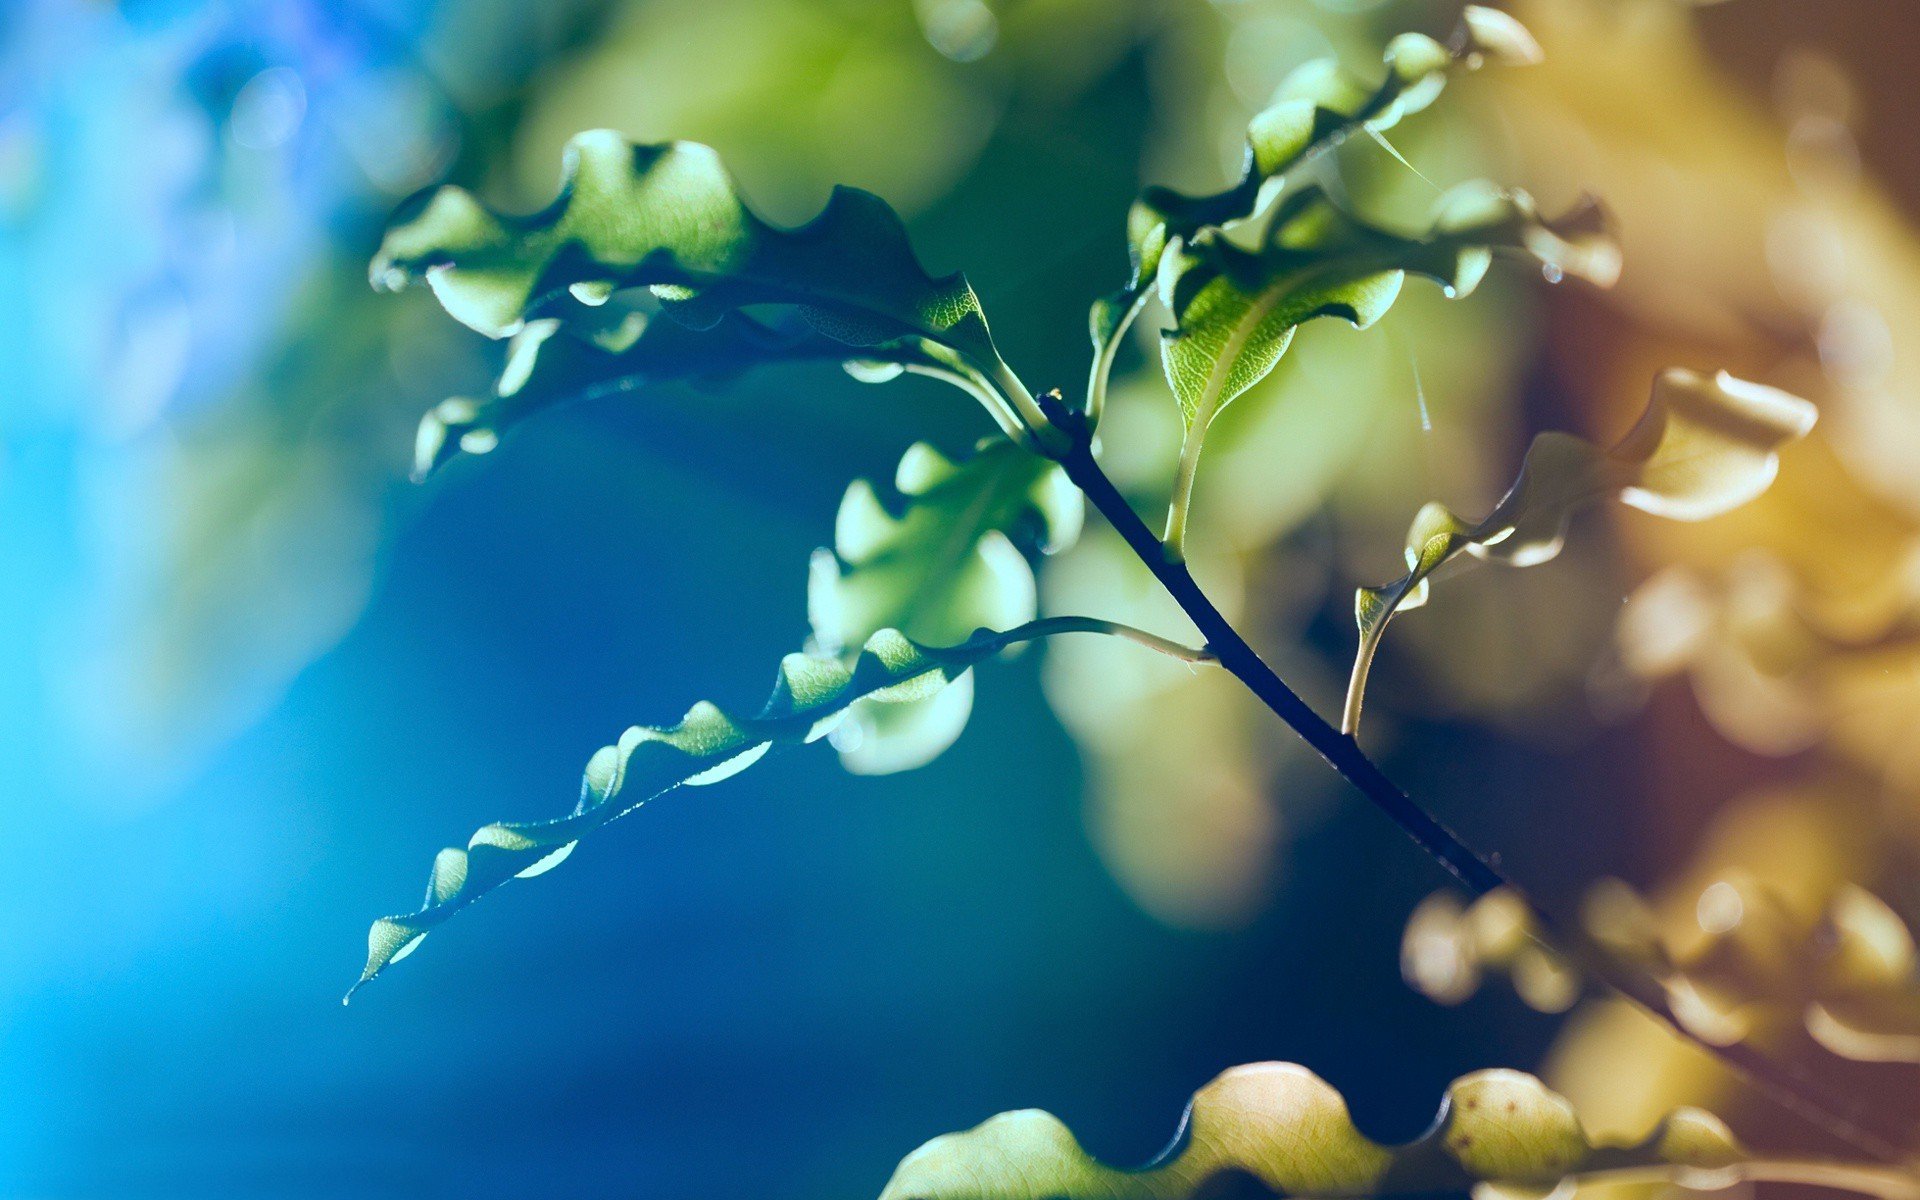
pixel 948 560
pixel 1236 310
pixel 1277 1129
pixel 1316 108
pixel 669 218
pixel 1703 446
pixel 943 562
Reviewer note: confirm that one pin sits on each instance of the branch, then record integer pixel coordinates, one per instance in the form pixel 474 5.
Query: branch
pixel 1785 1084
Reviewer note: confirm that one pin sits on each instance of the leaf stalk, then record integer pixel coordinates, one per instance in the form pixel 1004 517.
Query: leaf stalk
pixel 1049 626
pixel 1174 541
pixel 1105 347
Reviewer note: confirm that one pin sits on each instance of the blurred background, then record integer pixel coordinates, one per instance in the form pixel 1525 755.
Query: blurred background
pixel 251 677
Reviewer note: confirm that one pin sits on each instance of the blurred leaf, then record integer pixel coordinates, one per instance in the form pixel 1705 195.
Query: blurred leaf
pixel 1752 961
pixel 1276 1128
pixel 1702 447
pixel 1179 765
pixel 669 218
pixel 1778 664
pixel 781 84
pixel 1449 947
pixel 947 563
pixel 1318 107
pixel 885 737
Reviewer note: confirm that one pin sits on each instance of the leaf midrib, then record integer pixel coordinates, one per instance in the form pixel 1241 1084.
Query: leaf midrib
pixel 1257 312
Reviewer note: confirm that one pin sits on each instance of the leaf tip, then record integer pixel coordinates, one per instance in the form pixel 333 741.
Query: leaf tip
pixel 1497 36
pixel 1707 445
pixel 1793 416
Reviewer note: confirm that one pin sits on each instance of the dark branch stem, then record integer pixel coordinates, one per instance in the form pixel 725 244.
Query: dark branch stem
pixel 1783 1083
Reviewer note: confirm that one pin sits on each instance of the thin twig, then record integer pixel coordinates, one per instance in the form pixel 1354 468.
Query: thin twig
pixel 1784 1083
pixel 1048 626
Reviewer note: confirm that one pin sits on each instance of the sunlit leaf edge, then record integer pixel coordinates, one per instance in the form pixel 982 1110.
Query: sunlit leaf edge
pixel 1703 446
pixel 1280 1128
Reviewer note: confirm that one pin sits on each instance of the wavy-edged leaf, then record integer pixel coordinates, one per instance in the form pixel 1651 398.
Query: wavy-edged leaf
pixel 1702 447
pixel 1316 108
pixel 1236 310
pixel 669 218
pixel 550 362
pixel 885 737
pixel 811 694
pixel 1753 962
pixel 1277 1129
pixel 944 562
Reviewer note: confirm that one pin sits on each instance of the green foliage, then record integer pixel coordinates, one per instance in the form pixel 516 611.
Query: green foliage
pixel 1236 310
pixel 668 218
pixel 649 267
pixel 811 694
pixel 1703 446
pixel 1317 108
pixel 949 561
pixel 1282 1129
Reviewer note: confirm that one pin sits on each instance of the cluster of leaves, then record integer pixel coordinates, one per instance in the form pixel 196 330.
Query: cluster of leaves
pixel 1847 971
pixel 637 275
pixel 1277 1129
pixel 1315 110
pixel 947 563
pixel 668 222
pixel 650 268
pixel 1235 307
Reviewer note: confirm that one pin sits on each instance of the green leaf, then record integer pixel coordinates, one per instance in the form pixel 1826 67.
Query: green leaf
pixel 670 219
pixel 885 737
pixel 550 362
pixel 1704 446
pixel 811 697
pixel 1276 1128
pixel 946 560
pixel 811 694
pixel 1316 108
pixel 1236 310
pixel 949 560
